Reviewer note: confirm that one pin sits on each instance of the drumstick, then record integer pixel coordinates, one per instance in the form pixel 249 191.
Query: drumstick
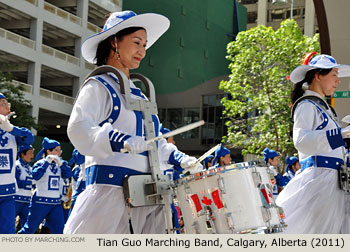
pixel 201 158
pixel 173 133
pixel 177 131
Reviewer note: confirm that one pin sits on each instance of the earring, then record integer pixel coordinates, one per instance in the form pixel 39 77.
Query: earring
pixel 118 54
pixel 115 48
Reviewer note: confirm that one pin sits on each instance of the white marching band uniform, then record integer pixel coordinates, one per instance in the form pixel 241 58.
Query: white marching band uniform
pixel 8 152
pixel 313 201
pixel 99 109
pixel 78 182
pixel 24 181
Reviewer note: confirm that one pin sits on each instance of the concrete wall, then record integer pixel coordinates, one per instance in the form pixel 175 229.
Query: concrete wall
pixel 339 33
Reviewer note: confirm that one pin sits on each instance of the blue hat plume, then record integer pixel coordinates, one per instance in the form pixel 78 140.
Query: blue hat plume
pixel 77 158
pixel 220 152
pixel 47 145
pixel 267 153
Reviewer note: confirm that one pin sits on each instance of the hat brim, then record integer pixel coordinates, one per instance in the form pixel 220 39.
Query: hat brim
pixel 154 24
pixel 298 74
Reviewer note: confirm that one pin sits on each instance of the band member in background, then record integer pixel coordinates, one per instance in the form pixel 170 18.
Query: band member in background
pixel 293 167
pixel 272 159
pixel 46 200
pixel 208 162
pixel 10 137
pixel 101 125
pixel 313 201
pixel 66 197
pixel 79 176
pixel 222 157
pixel 164 131
pixel 24 180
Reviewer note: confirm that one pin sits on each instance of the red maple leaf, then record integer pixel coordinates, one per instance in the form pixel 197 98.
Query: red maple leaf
pixel 206 201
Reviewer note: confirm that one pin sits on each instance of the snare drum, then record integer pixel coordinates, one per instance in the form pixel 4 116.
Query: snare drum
pixel 232 199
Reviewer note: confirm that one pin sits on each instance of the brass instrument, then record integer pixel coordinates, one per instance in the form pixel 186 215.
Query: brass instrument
pixel 67 205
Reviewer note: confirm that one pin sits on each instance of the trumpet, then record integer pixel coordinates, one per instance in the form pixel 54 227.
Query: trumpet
pixel 67 204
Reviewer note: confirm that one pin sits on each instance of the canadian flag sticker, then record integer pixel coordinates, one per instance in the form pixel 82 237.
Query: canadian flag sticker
pixel 196 202
pixel 216 197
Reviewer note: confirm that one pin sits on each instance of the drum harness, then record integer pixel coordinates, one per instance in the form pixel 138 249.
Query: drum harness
pixel 145 189
pixel 343 171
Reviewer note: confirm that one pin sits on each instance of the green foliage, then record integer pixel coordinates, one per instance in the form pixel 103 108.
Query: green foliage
pixel 15 96
pixel 258 112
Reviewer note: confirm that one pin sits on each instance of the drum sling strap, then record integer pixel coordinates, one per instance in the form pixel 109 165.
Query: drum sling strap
pixel 145 189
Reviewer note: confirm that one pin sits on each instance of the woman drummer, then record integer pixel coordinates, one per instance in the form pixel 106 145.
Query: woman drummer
pixel 101 125
pixel 313 201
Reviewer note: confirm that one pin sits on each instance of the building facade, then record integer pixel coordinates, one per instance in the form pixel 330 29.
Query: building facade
pixel 273 12
pixel 40 41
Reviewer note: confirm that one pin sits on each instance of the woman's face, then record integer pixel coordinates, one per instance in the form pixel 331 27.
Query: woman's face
pixel 329 82
pixel 56 151
pixel 275 161
pixel 132 49
pixel 28 157
pixel 226 160
pixel 5 107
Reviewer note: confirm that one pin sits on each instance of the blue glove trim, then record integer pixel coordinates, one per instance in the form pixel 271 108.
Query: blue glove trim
pixel 176 157
pixel 335 138
pixel 117 140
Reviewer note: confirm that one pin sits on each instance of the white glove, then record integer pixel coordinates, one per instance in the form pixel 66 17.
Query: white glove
pixel 273 170
pixel 50 158
pixel 345 132
pixel 346 119
pixel 190 164
pixel 188 161
pixel 197 167
pixel 5 123
pixel 136 144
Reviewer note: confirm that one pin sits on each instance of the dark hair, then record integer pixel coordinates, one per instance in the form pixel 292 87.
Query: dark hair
pixel 23 152
pixel 309 76
pixel 45 152
pixel 104 47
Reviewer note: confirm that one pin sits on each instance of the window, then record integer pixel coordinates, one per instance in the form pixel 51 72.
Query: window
pixel 278 15
pixel 248 1
pixel 191 115
pixel 174 118
pixel 252 17
pixel 214 127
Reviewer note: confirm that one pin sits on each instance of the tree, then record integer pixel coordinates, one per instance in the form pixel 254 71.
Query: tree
pixel 258 110
pixel 15 96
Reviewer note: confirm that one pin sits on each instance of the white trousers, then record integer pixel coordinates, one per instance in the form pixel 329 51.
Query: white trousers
pixel 101 209
pixel 313 203
pixel 346 225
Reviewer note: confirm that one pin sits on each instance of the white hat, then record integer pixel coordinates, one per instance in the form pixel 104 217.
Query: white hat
pixel 154 24
pixel 322 61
